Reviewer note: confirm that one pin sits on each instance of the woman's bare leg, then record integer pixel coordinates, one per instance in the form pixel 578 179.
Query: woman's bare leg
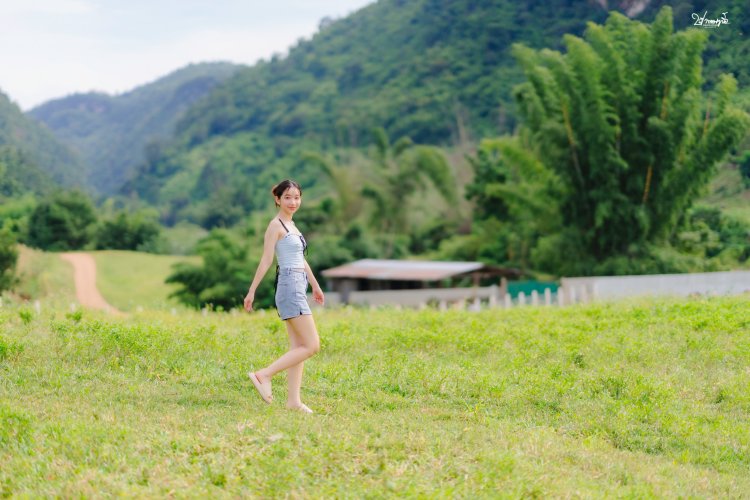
pixel 306 345
pixel 294 373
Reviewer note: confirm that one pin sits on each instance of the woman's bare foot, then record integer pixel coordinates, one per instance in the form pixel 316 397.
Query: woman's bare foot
pixel 262 386
pixel 300 407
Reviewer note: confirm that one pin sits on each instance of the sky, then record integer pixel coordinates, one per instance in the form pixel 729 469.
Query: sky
pixel 53 48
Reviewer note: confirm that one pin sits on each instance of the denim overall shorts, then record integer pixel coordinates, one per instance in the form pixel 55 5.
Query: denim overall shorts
pixel 291 293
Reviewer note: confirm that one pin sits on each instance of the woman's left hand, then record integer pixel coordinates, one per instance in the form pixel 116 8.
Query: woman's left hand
pixel 318 296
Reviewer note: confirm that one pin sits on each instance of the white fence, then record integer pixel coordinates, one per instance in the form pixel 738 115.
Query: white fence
pixel 442 298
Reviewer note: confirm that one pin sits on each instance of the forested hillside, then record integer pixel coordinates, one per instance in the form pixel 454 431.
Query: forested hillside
pixel 430 69
pixel 438 71
pixel 111 132
pixel 20 176
pixel 31 158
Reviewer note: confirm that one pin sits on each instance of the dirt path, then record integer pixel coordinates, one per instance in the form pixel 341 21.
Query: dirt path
pixel 84 270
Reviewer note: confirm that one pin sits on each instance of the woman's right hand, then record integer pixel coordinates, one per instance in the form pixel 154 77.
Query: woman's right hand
pixel 249 298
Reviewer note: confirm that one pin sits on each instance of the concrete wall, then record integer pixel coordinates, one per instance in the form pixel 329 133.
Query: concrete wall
pixel 612 287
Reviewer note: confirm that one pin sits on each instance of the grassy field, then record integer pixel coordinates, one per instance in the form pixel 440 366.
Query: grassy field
pixel 129 280
pixel 45 277
pixel 640 399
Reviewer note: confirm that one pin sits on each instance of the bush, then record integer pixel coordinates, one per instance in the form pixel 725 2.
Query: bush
pixel 711 234
pixel 15 213
pixel 62 223
pixel 128 232
pixel 221 282
pixel 8 260
pixel 651 260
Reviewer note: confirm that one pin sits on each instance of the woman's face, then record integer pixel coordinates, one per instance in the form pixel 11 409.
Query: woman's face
pixel 290 200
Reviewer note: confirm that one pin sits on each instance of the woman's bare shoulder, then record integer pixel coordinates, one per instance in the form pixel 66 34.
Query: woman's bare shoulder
pixel 274 226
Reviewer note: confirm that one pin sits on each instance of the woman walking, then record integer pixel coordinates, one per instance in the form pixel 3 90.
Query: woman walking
pixel 293 274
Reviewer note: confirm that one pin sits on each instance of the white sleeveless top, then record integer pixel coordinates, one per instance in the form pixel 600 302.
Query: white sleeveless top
pixel 289 250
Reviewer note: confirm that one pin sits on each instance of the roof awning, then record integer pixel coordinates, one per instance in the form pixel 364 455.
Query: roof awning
pixel 412 270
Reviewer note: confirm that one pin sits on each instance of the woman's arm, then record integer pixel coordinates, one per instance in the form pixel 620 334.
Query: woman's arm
pixel 316 290
pixel 269 241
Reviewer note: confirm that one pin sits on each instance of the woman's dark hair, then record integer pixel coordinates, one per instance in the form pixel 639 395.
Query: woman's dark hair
pixel 282 186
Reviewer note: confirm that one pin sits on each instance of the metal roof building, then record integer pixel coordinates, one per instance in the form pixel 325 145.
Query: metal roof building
pixel 380 274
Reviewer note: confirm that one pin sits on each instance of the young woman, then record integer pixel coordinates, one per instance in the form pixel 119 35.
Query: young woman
pixel 293 274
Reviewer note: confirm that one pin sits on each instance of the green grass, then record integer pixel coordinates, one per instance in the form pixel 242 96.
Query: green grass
pixel 638 399
pixel 129 280
pixel 45 277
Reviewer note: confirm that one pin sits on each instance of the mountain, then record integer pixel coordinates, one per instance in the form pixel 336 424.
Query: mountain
pixel 431 69
pixel 110 133
pixel 439 71
pixel 19 175
pixel 31 158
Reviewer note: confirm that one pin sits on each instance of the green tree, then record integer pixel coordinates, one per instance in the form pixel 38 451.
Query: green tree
pixel 221 281
pixel 710 234
pixel 127 232
pixel 346 202
pixel 744 165
pixel 516 201
pixel 15 213
pixel 402 170
pixel 622 121
pixel 62 222
pixel 8 185
pixel 330 250
pixel 20 175
pixel 8 259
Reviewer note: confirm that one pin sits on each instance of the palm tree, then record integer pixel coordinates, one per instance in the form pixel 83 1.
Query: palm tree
pixel 347 204
pixel 401 171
